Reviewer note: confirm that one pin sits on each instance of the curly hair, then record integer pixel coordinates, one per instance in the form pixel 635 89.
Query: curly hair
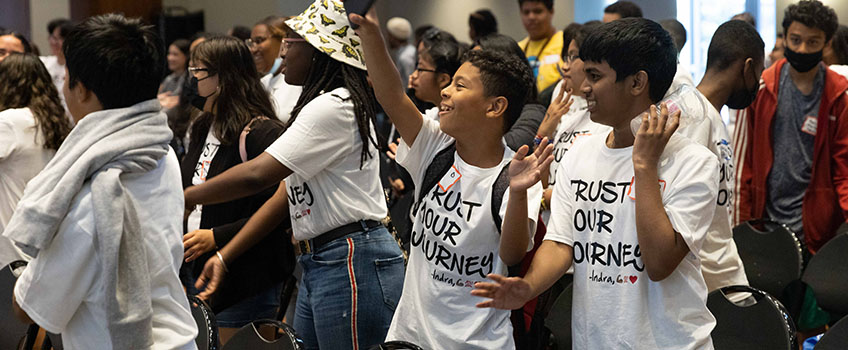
pixel 34 89
pixel 504 75
pixel 813 14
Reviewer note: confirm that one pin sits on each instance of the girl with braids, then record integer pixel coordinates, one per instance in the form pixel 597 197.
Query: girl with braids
pixel 352 267
pixel 225 85
pixel 32 127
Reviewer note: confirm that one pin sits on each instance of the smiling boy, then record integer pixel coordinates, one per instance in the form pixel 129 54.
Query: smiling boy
pixel 629 213
pixel 461 230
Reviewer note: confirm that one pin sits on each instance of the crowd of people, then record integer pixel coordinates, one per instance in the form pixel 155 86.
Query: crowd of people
pixel 415 187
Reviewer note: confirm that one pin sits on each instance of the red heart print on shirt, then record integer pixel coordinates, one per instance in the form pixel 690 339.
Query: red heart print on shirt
pixel 633 279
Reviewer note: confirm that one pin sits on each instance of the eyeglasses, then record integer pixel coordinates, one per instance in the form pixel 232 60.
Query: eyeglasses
pixel 290 41
pixel 566 60
pixel 419 70
pixel 251 42
pixel 195 70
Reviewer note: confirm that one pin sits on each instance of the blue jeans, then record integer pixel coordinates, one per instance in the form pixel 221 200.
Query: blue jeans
pixel 260 306
pixel 349 291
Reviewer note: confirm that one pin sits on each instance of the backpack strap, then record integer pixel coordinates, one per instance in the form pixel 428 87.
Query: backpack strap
pixel 243 136
pixel 498 193
pixel 438 167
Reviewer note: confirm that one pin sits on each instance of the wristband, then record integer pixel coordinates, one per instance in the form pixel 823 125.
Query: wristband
pixel 221 258
pixel 538 140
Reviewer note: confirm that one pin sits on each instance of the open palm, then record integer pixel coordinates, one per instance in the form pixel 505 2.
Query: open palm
pixel 506 293
pixel 526 170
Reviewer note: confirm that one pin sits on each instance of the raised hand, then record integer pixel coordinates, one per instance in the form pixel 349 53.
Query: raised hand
pixel 197 243
pixel 507 293
pixel 653 135
pixel 558 107
pixel 525 171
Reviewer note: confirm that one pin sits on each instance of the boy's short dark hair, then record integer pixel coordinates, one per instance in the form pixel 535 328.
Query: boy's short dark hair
pixel 732 41
pixel 484 22
pixel 549 4
pixel 813 14
pixel 65 26
pixel 120 60
pixel 24 42
pixel 630 45
pixel 584 32
pixel 503 75
pixel 677 32
pixel 625 9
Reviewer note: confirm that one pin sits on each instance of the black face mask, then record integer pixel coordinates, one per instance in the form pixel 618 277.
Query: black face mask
pixel 802 62
pixel 742 99
pixel 194 97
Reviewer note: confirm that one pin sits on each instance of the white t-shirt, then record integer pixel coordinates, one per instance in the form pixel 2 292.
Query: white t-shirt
pixel 720 261
pixel 22 156
pixel 573 125
pixel 616 305
pixel 283 95
pixel 62 289
pixel 328 188
pixel 57 74
pixel 454 243
pixel 210 148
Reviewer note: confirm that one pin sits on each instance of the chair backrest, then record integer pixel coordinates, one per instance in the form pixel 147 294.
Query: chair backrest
pixel 836 338
pixel 207 327
pixel 827 275
pixel 772 257
pixel 763 325
pixel 396 345
pixel 559 318
pixel 249 338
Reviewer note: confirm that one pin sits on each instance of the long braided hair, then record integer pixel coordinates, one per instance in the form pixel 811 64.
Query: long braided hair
pixel 24 82
pixel 327 74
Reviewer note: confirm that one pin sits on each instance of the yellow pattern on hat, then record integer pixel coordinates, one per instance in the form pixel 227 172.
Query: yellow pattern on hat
pixel 325 26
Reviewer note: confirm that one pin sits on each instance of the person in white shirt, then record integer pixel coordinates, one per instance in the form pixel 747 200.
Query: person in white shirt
pixel 32 127
pixel 352 266
pixel 461 232
pixel 632 223
pixel 107 247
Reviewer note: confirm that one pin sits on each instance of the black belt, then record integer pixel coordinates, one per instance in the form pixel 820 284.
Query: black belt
pixel 313 245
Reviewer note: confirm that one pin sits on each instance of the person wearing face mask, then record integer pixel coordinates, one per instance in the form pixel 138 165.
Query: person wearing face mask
pixel 236 125
pixel 283 95
pixel 264 43
pixel 791 141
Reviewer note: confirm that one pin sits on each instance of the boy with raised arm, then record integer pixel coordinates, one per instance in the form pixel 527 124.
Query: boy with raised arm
pixel 462 167
pixel 629 212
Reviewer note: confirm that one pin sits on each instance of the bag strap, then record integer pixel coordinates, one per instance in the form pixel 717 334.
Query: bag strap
pixel 243 136
pixel 438 167
pixel 498 192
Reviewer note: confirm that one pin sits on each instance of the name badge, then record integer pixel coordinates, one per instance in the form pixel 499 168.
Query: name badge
pixel 450 179
pixel 810 125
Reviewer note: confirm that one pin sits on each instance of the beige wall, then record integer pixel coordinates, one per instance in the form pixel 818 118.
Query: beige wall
pixel 221 15
pixel 41 12
pixel 452 15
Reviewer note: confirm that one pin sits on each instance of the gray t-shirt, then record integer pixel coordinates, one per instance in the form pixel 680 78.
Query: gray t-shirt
pixel 793 136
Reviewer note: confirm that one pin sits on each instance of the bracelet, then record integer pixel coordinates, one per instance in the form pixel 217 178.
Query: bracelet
pixel 221 258
pixel 538 140
pixel 544 206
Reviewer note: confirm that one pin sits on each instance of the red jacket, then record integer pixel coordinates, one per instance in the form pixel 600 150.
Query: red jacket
pixel 825 204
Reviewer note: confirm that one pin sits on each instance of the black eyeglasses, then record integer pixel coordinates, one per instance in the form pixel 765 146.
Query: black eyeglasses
pixel 419 70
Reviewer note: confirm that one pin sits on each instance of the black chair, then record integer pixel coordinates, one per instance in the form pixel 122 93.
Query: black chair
pixel 396 345
pixel 772 257
pixel 207 327
pixel 559 319
pixel 248 337
pixel 764 325
pixel 836 338
pixel 827 275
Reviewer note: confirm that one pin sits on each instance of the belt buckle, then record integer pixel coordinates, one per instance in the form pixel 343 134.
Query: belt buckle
pixel 303 247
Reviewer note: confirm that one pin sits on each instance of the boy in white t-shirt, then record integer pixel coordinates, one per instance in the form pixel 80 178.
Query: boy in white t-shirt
pixel 462 231
pixel 629 212
pixel 107 245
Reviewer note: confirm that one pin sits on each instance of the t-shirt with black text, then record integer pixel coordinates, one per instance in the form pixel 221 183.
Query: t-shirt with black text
pixel 454 243
pixel 616 305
